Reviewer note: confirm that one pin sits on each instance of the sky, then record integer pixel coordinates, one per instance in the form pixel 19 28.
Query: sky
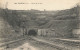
pixel 41 4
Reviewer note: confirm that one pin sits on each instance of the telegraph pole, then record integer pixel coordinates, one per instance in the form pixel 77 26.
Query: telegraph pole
pixel 6 5
pixel 78 15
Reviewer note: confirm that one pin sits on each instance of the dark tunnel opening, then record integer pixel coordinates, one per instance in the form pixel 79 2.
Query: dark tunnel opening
pixel 32 33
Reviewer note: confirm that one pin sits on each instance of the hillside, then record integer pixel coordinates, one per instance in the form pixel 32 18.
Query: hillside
pixel 62 21
pixel 66 14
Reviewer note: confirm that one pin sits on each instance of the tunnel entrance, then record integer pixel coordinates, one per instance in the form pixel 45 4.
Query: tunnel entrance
pixel 32 33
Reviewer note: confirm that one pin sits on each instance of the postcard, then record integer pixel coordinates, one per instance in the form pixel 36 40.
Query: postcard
pixel 39 24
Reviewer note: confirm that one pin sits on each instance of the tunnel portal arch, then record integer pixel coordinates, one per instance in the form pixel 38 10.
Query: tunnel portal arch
pixel 32 33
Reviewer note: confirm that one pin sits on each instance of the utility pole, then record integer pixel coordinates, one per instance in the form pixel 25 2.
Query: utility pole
pixel 78 16
pixel 76 31
pixel 0 5
pixel 6 5
pixel 23 23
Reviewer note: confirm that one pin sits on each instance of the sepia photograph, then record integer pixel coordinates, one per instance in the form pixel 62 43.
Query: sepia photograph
pixel 39 24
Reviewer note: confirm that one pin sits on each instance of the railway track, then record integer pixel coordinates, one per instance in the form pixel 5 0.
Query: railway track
pixel 31 38
pixel 64 44
pixel 49 44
